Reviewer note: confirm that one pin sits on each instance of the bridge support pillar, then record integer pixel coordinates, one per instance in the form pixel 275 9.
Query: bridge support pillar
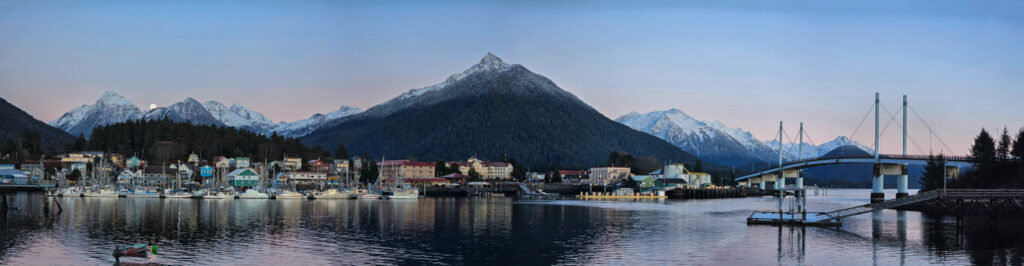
pixel 901 186
pixel 762 184
pixel 877 194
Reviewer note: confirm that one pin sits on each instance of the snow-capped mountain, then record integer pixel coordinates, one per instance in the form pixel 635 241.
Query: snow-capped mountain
pixel 113 108
pixel 715 142
pixel 188 110
pixel 108 109
pixel 712 142
pixel 314 122
pixel 790 150
pixel 432 94
pixel 239 116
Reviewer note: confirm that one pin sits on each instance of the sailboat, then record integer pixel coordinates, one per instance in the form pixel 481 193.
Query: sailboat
pixel 105 191
pixel 252 193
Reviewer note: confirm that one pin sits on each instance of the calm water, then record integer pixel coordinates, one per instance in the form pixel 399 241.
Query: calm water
pixel 490 231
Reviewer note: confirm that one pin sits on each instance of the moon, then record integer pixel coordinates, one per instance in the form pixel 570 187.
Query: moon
pixel 152 106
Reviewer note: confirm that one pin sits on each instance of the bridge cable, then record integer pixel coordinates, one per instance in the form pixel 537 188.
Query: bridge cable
pixel 865 118
pixel 930 130
pixel 887 124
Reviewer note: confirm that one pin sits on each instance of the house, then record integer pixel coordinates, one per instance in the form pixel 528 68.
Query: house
pixel 241 162
pixel 193 158
pixel 244 177
pixel 222 163
pixel 607 175
pixel 471 164
pixel 394 169
pixel 13 176
pixel 185 170
pixel 649 181
pixel 306 177
pixel 33 169
pixel 133 162
pixel 293 163
pixel 78 166
pixel 340 166
pixel 126 177
pixel 206 171
pixel 155 176
pixel 318 166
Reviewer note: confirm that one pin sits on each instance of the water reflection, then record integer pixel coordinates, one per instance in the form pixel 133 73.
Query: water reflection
pixel 490 231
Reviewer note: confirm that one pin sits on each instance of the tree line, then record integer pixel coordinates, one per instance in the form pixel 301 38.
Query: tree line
pixel 995 163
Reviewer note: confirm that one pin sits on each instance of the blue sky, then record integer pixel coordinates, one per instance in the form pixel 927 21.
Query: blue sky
pixel 748 64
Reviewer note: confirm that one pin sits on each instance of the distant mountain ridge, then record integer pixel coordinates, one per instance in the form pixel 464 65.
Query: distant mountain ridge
pixel 493 108
pixel 112 108
pixel 14 121
pixel 715 142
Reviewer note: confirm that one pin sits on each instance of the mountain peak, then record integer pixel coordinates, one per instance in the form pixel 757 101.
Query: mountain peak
pixel 112 98
pixel 492 62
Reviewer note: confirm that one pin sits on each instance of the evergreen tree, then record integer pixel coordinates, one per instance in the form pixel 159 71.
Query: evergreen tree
pixel 983 156
pixel 1003 149
pixel 474 176
pixel 340 152
pixel 933 174
pixel 369 171
pixel 518 170
pixel 80 142
pixel 440 169
pixel 1018 148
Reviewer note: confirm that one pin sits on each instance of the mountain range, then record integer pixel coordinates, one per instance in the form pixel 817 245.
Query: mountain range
pixel 491 110
pixel 717 143
pixel 112 108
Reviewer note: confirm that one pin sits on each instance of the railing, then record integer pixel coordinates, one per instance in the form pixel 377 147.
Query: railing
pixel 978 194
pixel 953 158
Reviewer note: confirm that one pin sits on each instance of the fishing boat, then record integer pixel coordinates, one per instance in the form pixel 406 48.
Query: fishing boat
pixel 70 192
pixel 370 195
pixel 337 194
pixel 288 194
pixel 404 193
pixel 131 250
pixel 252 194
pixel 217 195
pixel 144 193
pixel 106 192
pixel 176 194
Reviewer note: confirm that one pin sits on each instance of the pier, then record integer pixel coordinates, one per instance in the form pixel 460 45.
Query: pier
pixel 1010 197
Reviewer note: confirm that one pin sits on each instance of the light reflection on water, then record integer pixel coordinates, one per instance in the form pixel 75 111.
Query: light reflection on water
pixel 490 231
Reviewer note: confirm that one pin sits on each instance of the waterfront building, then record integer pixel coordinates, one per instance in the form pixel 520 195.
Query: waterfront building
pixel 471 163
pixel 33 169
pixel 78 166
pixel 306 177
pixel 679 171
pixel 206 171
pixel 81 157
pixel 243 177
pixel 155 176
pixel 393 169
pixel 430 182
pixel 6 167
pixel 607 175
pixel 456 178
pixel 293 163
pixel 498 171
pixel 222 163
pixel 13 176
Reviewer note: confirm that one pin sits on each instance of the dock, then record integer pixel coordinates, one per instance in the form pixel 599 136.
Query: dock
pixel 611 195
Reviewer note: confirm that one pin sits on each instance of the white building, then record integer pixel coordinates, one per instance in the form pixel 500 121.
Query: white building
pixel 607 175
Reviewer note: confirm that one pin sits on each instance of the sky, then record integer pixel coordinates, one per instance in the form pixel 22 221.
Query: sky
pixel 748 64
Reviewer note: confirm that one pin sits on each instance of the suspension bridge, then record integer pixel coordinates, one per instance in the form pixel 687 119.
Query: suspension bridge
pixel 884 164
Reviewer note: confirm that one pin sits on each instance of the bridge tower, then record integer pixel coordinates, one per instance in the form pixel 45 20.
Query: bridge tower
pixel 877 194
pixel 780 182
pixel 901 181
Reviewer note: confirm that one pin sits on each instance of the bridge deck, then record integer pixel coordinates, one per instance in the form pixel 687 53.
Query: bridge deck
pixel 820 161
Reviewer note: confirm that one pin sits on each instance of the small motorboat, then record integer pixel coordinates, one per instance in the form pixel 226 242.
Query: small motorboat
pixel 137 250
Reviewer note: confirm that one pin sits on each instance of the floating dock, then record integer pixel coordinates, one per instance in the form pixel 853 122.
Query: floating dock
pixel 622 195
pixel 786 218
